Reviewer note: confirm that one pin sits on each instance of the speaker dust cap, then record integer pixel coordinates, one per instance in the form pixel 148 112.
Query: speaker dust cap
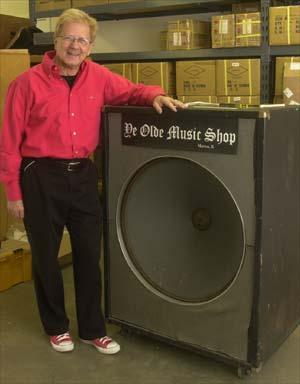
pixel 181 231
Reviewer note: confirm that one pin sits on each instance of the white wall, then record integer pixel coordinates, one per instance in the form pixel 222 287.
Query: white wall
pixel 134 34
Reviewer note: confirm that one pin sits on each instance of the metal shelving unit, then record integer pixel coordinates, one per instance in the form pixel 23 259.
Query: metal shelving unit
pixel 140 8
pixel 151 8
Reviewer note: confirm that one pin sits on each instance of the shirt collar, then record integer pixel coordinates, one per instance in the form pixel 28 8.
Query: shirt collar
pixel 51 68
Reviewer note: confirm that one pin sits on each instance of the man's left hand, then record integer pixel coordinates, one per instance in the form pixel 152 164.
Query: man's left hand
pixel 165 101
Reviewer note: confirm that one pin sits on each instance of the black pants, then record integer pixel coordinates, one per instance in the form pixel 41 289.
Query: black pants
pixel 55 195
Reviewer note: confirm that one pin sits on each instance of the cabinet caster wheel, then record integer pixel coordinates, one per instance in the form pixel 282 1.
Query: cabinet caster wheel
pixel 244 372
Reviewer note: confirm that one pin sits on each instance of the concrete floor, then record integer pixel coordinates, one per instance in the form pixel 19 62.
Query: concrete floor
pixel 27 358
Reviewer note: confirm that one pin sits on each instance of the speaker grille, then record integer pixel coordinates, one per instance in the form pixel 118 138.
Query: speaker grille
pixel 181 231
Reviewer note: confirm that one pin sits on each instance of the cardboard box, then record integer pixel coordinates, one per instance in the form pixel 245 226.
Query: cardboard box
pixel 246 7
pixel 248 29
pixel 196 26
pixel 9 27
pixel 284 24
pixel 86 3
pixel 196 77
pixel 188 34
pixel 15 263
pixel 155 73
pixel 12 63
pixel 163 40
pixel 223 31
pixel 204 99
pixel 244 100
pixel 279 67
pixel 51 5
pixel 119 1
pixel 3 213
pixel 291 83
pixel 123 69
pixel 238 77
pixel 278 100
pixel 187 40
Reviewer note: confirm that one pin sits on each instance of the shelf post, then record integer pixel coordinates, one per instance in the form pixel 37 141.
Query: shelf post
pixel 265 60
pixel 32 12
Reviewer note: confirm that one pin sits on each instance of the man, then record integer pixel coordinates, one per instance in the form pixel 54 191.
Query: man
pixel 51 125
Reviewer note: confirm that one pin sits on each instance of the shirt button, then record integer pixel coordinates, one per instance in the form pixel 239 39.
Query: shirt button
pixel 74 133
pixel 72 114
pixel 76 152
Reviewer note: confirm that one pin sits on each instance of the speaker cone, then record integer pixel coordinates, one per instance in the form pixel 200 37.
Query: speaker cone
pixel 181 230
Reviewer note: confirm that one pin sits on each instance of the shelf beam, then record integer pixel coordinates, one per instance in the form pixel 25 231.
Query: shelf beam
pixel 149 8
pixel 193 54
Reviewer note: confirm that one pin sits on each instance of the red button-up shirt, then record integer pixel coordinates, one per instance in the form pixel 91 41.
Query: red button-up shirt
pixel 43 117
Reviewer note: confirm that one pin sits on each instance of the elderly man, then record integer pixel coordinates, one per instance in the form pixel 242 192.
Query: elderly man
pixel 51 126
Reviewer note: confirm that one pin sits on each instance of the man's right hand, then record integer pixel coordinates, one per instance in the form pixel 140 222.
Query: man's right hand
pixel 16 208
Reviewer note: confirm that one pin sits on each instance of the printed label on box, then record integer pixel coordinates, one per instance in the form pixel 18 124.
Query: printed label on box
pixel 223 26
pixel 288 93
pixel 295 66
pixel 247 27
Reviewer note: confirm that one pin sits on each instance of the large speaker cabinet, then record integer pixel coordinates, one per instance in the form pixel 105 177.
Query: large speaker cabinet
pixel 202 228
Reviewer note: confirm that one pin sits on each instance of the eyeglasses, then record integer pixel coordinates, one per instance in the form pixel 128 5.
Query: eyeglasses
pixel 70 39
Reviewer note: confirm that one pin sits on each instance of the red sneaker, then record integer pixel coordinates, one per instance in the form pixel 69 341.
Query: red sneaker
pixel 104 345
pixel 62 343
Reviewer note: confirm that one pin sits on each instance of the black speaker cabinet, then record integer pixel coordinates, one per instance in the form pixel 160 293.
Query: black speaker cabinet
pixel 202 228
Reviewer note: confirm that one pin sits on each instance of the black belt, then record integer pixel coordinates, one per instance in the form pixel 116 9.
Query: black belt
pixel 68 165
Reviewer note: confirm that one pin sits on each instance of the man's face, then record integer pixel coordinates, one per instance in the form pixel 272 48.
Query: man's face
pixel 72 46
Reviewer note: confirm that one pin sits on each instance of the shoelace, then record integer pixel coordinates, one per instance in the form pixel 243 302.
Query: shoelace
pixel 105 341
pixel 105 338
pixel 63 336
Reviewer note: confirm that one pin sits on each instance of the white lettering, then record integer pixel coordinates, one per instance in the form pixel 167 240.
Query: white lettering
pixel 209 135
pixel 219 136
pixel 176 133
pixel 152 131
pixel 130 130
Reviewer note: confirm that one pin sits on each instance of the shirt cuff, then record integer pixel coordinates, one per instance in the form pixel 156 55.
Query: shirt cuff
pixel 13 191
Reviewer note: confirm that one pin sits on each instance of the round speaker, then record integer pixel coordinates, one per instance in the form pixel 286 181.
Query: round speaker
pixel 180 230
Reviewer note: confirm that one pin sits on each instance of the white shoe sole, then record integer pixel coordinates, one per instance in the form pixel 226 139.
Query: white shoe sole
pixel 62 348
pixel 109 351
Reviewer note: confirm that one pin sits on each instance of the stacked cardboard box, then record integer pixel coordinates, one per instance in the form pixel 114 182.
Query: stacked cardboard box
pixel 51 5
pixel 248 29
pixel 246 7
pixel 15 263
pixel 188 34
pixel 164 40
pixel 120 1
pixel 123 69
pixel 223 31
pixel 86 3
pixel 284 25
pixel 203 99
pixel 12 63
pixel 155 73
pixel 291 83
pixel 245 100
pixel 195 80
pixel 238 77
pixel 279 72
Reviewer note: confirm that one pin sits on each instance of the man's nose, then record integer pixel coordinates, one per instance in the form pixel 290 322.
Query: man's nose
pixel 75 43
